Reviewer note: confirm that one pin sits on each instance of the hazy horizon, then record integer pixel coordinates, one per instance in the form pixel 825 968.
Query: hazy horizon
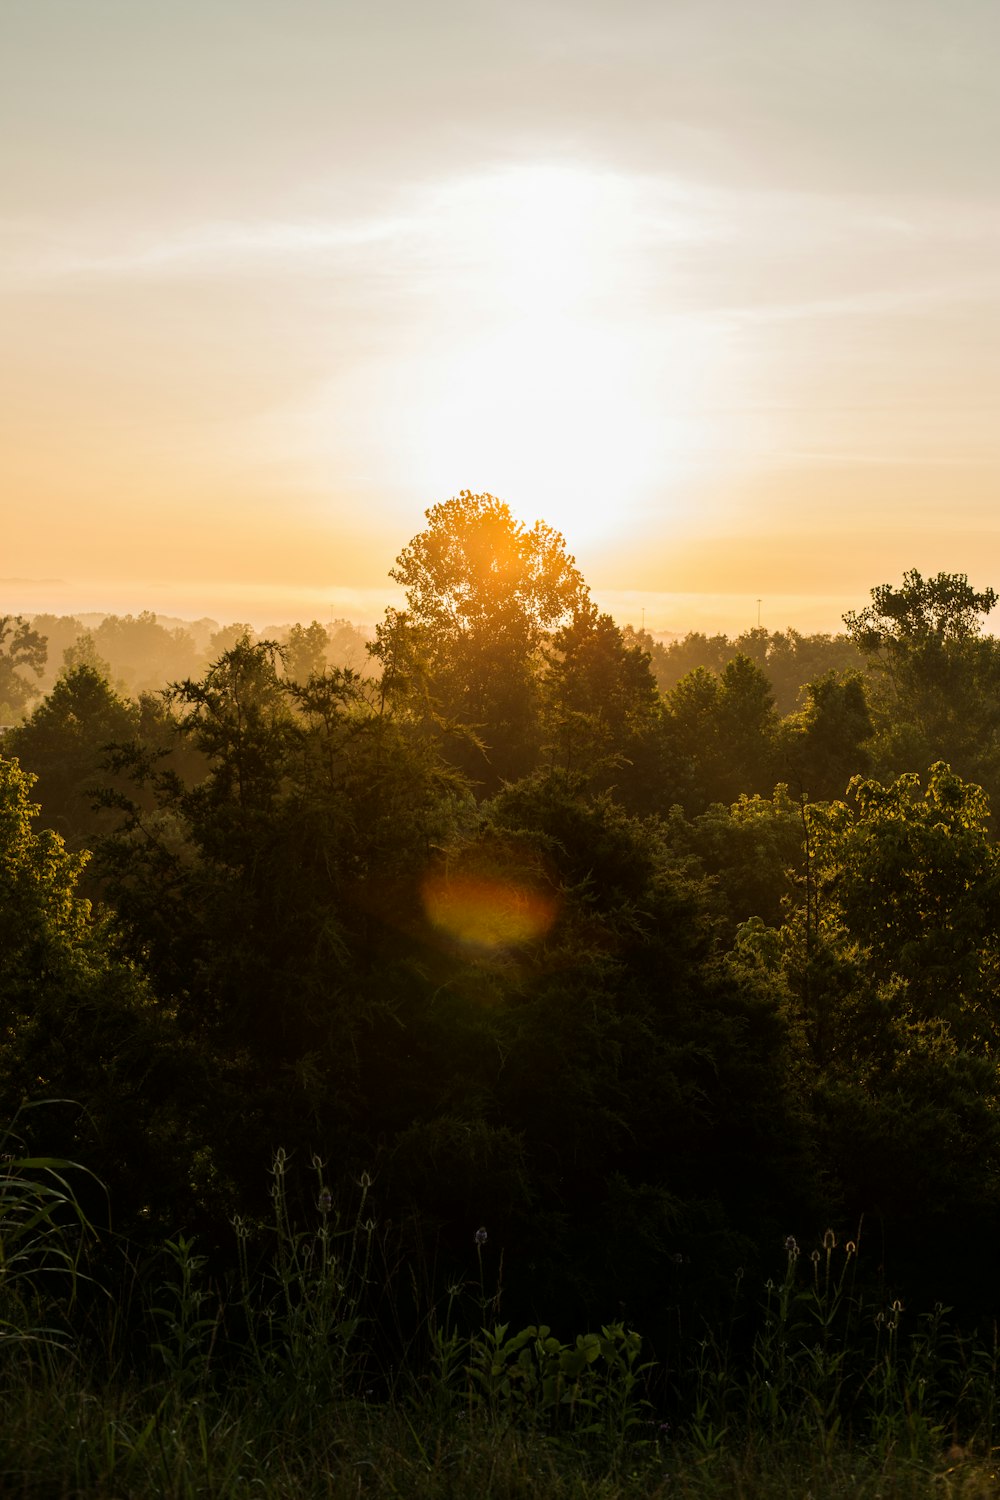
pixel 668 614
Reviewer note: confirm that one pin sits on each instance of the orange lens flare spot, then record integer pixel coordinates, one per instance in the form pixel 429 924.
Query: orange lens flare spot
pixel 485 913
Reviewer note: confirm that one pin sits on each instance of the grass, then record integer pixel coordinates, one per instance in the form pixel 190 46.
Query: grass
pixel 59 1438
pixel 272 1384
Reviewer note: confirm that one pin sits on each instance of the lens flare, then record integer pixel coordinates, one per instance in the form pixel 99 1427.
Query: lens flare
pixel 485 913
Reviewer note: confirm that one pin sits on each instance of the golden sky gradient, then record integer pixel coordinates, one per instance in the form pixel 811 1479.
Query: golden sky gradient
pixel 713 287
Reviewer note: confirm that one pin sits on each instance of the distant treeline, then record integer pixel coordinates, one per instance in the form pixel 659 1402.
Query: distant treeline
pixel 145 652
pixel 788 659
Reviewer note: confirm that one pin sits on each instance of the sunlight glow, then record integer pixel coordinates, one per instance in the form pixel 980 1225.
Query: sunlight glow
pixel 530 360
pixel 552 412
pixel 487 914
pixel 555 385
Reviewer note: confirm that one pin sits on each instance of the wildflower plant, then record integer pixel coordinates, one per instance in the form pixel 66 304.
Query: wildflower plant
pixel 186 1319
pixel 304 1309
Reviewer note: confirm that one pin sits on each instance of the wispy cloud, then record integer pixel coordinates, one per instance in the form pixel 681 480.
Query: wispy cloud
pixel 34 253
pixel 885 299
pixel 436 226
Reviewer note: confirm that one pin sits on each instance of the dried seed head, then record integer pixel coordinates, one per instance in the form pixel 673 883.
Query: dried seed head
pixel 829 1240
pixel 481 1236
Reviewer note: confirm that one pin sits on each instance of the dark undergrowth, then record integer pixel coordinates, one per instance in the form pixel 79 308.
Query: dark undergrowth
pixel 278 1380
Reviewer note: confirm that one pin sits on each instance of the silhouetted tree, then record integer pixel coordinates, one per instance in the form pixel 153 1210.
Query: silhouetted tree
pixel 22 650
pixel 722 733
pixel 64 743
pixel 937 675
pixel 827 742
pixel 602 709
pixel 483 591
pixel 143 653
pixel 305 651
pixel 79 1025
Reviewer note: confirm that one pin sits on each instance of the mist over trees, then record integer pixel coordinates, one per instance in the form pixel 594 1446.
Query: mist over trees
pixel 643 956
pixel 142 653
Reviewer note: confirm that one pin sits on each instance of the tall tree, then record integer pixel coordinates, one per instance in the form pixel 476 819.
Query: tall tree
pixel 483 591
pixel 144 653
pixel 922 614
pixel 722 732
pixel 63 744
pixel 78 1022
pixel 826 742
pixel 262 893
pixel 305 651
pixel 889 963
pixel 602 706
pixel 938 674
pixel 912 873
pixel 22 650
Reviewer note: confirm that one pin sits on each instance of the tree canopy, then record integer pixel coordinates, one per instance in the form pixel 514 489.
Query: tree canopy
pixel 483 591
pixel 22 650
pixel 945 608
pixel 627 972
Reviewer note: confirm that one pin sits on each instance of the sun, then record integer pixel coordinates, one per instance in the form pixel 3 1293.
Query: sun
pixel 548 379
pixel 544 352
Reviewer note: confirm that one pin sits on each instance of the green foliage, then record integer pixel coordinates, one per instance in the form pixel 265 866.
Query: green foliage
pixel 184 1325
pixel 43 1234
pixel 268 895
pixel 482 592
pixel 937 675
pixel 78 1021
pixel 887 968
pixel 22 649
pixel 818 1378
pixel 64 743
pixel 142 652
pixel 305 651
pixel 912 872
pixel 39 912
pixel 832 1361
pixel 788 658
pixel 635 1039
pixel 752 852
pixel 303 1309
pixel 601 701
pixel 924 612
pixel 531 1379
pixel 721 730
pixel 826 743
pixel 666 1059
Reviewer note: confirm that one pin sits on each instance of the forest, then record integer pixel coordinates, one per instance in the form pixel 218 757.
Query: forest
pixel 509 1024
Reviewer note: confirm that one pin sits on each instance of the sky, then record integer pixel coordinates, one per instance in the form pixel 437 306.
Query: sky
pixel 712 287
